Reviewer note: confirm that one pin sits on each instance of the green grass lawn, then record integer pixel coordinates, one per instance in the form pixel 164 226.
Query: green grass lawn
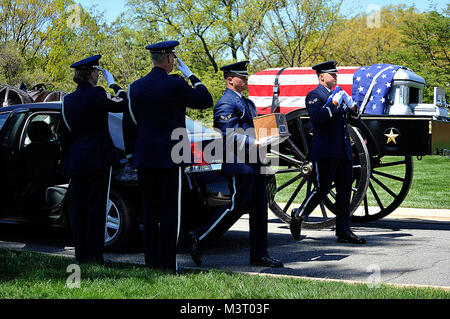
pixel 430 184
pixel 31 275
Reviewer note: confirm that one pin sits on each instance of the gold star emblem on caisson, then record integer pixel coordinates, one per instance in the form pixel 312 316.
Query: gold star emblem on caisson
pixel 391 136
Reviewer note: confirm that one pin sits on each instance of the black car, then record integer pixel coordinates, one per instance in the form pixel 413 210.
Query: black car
pixel 34 189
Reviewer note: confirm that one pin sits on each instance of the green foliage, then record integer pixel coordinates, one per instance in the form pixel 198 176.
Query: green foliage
pixel 12 64
pixel 367 39
pixel 209 31
pixel 216 85
pixel 426 49
pixel 296 32
pixel 397 35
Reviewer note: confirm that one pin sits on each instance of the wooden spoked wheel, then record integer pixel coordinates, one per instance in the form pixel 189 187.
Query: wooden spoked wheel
pixel 294 176
pixel 390 181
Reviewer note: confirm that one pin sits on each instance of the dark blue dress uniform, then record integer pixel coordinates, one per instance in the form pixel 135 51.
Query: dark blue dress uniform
pixel 157 106
pixel 233 115
pixel 90 155
pixel 331 152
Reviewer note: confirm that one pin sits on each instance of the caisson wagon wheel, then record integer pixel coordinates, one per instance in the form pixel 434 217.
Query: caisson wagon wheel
pixel 390 181
pixel 294 176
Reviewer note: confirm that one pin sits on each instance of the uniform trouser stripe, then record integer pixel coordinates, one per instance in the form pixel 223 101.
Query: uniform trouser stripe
pixel 179 210
pixel 107 199
pixel 224 213
pixel 179 202
pixel 109 190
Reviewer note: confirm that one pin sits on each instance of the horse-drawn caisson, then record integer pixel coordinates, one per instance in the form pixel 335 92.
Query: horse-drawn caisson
pixel 396 126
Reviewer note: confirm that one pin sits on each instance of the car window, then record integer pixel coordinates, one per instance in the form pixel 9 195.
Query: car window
pixel 196 127
pixel 52 119
pixel 11 131
pixel 197 131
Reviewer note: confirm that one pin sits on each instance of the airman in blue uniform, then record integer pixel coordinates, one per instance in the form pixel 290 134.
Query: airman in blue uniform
pixel 233 115
pixel 157 107
pixel 331 151
pixel 90 155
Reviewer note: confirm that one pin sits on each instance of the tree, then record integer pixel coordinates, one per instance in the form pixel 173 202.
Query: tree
pixel 213 30
pixel 45 37
pixel 360 41
pixel 296 32
pixel 12 65
pixel 25 22
pixel 74 34
pixel 426 49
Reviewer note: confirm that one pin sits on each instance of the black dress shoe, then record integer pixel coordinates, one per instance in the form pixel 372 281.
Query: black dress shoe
pixel 351 238
pixel 296 225
pixel 266 262
pixel 196 251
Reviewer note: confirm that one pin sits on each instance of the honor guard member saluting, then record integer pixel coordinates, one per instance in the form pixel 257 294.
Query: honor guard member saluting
pixel 331 151
pixel 234 113
pixel 90 155
pixel 157 106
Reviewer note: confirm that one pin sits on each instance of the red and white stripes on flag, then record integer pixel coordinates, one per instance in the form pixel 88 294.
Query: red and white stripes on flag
pixel 294 85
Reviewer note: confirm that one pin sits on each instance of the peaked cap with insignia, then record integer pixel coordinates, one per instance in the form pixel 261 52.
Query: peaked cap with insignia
pixel 90 62
pixel 239 68
pixel 163 47
pixel 326 67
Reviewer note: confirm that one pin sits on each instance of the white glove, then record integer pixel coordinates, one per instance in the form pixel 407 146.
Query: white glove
pixel 349 101
pixel 108 77
pixel 183 68
pixel 338 97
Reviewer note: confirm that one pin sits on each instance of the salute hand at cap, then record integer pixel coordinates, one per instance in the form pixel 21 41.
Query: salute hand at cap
pixel 108 77
pixel 184 69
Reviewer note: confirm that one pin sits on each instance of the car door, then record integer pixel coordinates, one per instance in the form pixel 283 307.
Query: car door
pixel 11 161
pixel 42 157
pixel 31 159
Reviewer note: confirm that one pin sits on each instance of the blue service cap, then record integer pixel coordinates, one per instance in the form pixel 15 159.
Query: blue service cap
pixel 163 47
pixel 90 62
pixel 239 68
pixel 326 67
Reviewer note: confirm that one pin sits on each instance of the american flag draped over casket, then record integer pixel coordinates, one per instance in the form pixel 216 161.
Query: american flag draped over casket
pixel 371 87
pixel 294 85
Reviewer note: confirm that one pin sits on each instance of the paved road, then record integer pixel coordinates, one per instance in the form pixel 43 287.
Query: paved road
pixel 409 247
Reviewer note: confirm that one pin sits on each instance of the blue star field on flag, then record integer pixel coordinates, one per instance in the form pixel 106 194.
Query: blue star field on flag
pixel 378 80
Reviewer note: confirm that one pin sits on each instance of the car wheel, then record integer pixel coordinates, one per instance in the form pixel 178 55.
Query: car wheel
pixel 121 226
